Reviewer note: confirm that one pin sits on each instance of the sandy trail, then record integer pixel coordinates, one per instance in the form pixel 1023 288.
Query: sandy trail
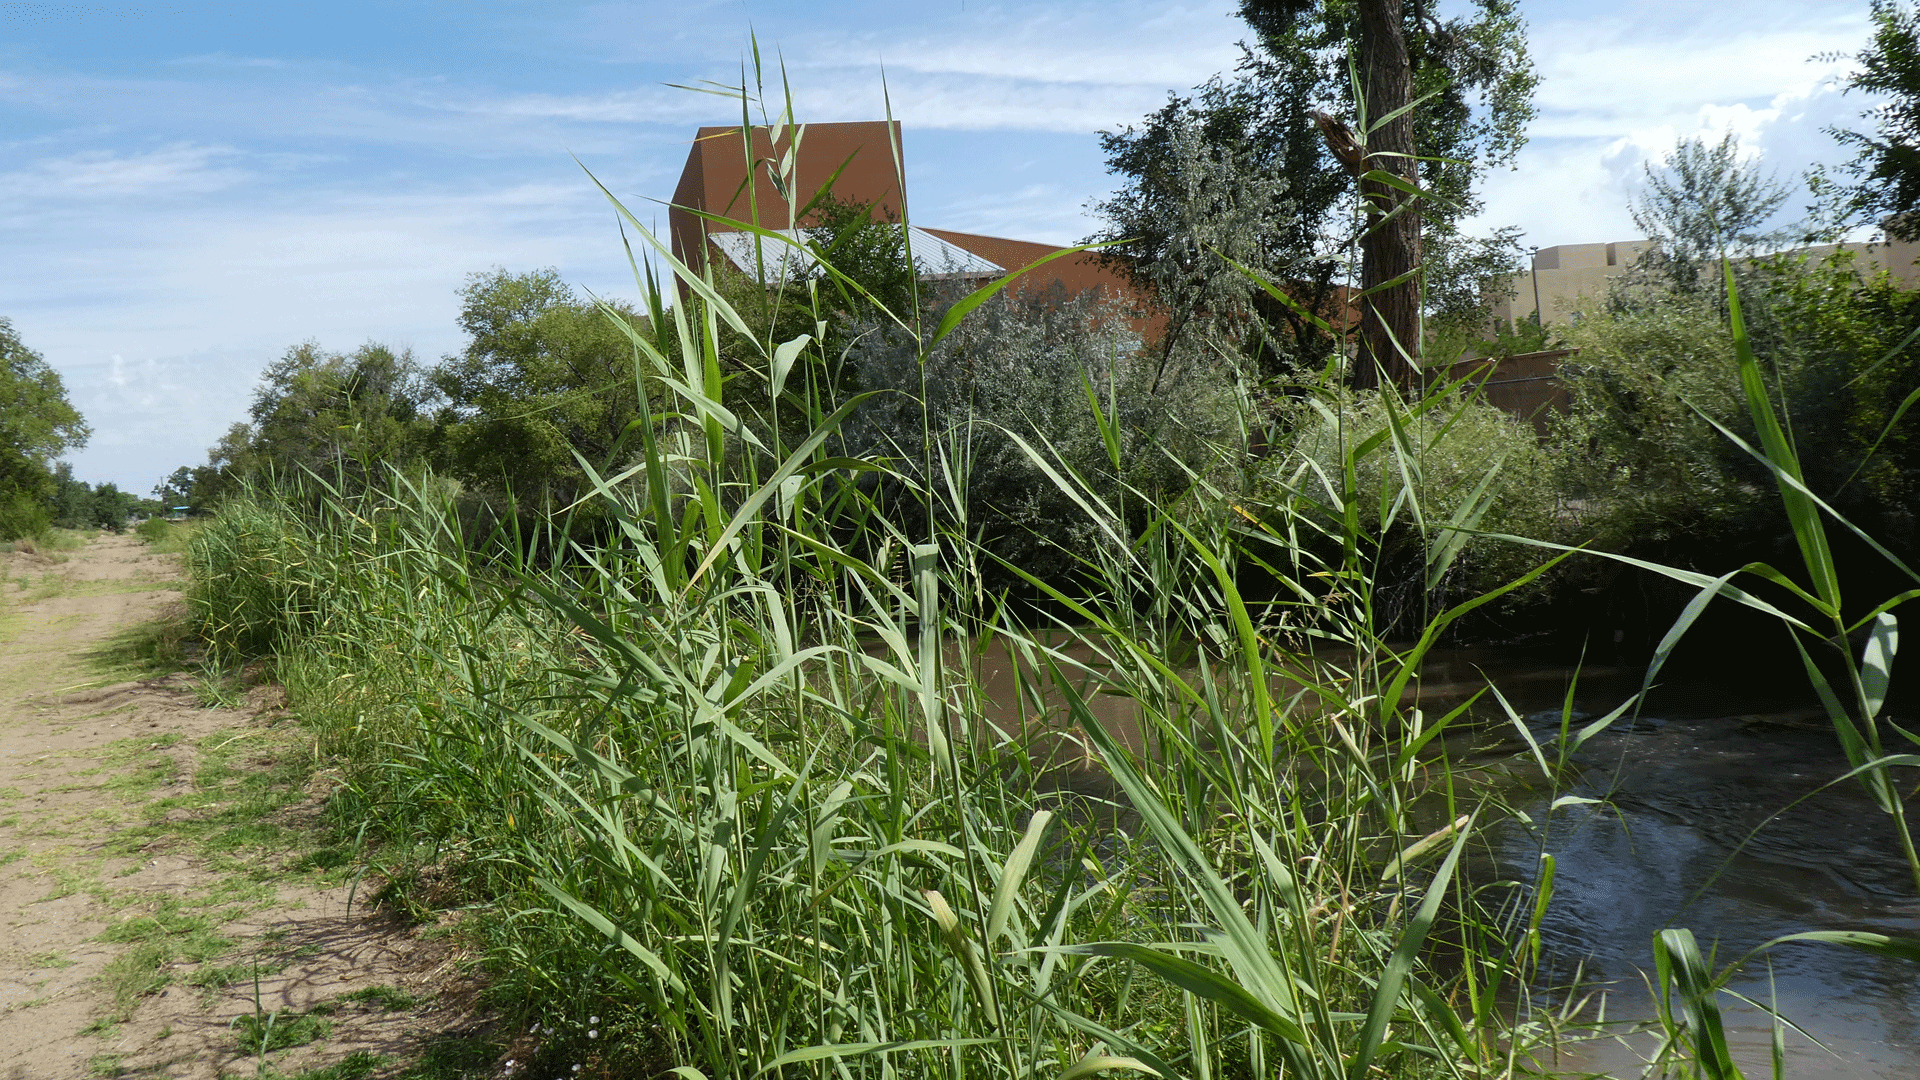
pixel 136 915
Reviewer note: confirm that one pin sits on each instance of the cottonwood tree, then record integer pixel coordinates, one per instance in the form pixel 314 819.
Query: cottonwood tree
pixel 1470 82
pixel 1704 201
pixel 545 375
pixel 37 425
pixel 340 412
pixel 344 416
pixel 1886 166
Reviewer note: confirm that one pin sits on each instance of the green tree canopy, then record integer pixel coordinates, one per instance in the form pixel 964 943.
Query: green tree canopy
pixel 1473 81
pixel 544 375
pixel 1886 166
pixel 344 415
pixel 1702 202
pixel 37 425
pixel 340 410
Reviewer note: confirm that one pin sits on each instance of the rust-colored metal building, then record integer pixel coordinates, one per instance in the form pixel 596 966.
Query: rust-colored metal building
pixel 865 161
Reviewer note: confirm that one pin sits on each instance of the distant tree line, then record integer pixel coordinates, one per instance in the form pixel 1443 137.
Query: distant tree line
pixel 546 378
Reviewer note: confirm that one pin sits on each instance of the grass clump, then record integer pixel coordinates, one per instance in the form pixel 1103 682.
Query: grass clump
pixel 248 585
pixel 156 944
pixel 355 1066
pixel 155 531
pixel 264 1033
pixel 384 998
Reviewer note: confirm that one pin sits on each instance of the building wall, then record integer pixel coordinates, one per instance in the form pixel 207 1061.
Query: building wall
pixel 714 179
pixel 1526 386
pixel 1571 272
pixel 1566 274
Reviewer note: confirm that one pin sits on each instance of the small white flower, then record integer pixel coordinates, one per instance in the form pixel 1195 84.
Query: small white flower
pixel 546 1031
pixel 535 1029
pixel 593 1019
pixel 592 1034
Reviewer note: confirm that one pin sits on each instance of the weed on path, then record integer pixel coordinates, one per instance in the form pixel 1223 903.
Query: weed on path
pixel 173 906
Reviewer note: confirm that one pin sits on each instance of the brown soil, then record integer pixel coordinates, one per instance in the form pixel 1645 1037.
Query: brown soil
pixel 102 792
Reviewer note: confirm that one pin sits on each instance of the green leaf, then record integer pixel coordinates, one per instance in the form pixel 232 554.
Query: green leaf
pixel 846 1050
pixel 795 461
pixel 1013 873
pixel 1201 982
pixel 1094 1063
pixel 1898 948
pixel 1677 958
pixel 1386 994
pixel 1876 663
pixel 619 937
pixel 783 357
pixel 1808 530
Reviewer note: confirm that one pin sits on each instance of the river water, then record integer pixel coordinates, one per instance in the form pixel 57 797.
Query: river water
pixel 1683 786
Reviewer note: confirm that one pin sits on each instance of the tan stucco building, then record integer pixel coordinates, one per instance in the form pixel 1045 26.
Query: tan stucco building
pixel 1569 272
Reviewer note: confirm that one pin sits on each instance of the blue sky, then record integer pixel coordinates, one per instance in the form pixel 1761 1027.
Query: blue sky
pixel 187 189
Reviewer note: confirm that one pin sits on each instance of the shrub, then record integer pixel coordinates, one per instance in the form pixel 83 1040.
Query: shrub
pixel 1021 368
pixel 22 515
pixel 1456 459
pixel 1641 466
pixel 1641 461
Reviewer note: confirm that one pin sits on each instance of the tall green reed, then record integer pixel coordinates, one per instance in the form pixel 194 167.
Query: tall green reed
pixel 739 769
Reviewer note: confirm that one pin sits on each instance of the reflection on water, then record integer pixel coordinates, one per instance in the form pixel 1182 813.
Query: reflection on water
pixel 1683 793
pixel 1683 787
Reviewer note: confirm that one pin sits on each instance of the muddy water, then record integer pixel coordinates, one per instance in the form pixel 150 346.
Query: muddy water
pixel 1683 787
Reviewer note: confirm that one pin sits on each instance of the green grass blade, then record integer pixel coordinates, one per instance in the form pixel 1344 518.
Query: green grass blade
pixel 1014 873
pixel 1808 530
pixel 1386 995
pixel 1678 958
pixel 1876 663
pixel 1200 981
pixel 595 919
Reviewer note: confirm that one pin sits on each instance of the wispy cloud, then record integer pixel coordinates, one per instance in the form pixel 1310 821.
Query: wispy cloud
pixel 168 172
pixel 1620 87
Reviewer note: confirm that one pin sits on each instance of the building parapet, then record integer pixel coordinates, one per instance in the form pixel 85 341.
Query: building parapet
pixel 1561 277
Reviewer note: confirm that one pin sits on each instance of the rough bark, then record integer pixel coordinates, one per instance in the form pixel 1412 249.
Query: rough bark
pixel 1390 247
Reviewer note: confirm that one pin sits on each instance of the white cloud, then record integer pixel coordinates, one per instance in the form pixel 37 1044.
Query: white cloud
pixel 170 171
pixel 1618 90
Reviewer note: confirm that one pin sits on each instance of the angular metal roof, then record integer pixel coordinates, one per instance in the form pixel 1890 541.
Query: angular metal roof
pixel 933 258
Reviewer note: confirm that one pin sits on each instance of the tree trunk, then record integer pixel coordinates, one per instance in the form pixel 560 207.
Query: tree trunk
pixel 1390 247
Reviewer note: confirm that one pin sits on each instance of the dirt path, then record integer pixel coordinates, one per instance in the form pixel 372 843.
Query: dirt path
pixel 163 884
